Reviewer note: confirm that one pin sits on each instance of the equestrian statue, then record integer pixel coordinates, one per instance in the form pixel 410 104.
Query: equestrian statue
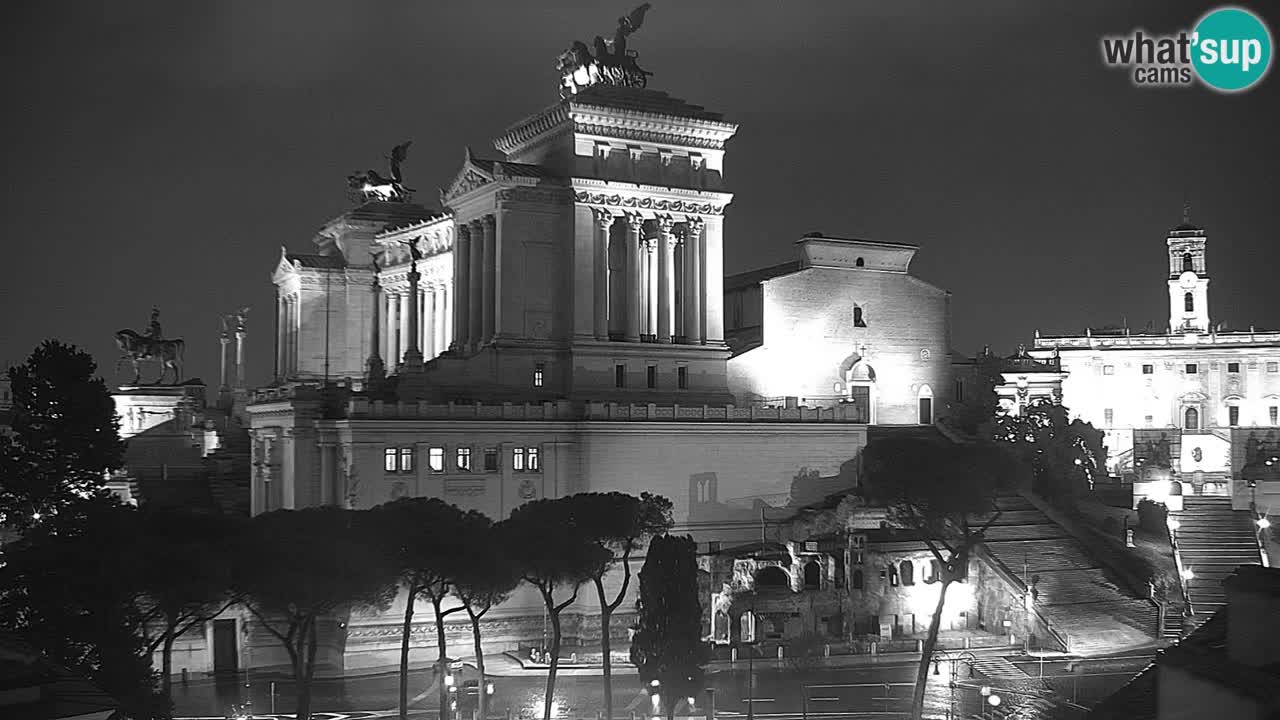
pixel 370 185
pixel 136 347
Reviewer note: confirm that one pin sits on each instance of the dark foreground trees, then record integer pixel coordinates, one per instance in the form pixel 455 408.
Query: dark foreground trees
pixel 554 552
pixel 486 579
pixel 618 523
pixel 946 493
pixel 1066 456
pixel 308 565
pixel 668 645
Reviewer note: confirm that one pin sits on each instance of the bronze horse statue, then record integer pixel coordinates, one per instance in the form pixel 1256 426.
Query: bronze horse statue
pixel 136 348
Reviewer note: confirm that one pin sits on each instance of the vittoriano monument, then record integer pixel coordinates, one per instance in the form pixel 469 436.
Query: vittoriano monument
pixel 136 347
pixel 369 185
pixel 611 64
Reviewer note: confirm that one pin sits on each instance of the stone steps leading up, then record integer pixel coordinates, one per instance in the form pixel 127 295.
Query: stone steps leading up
pixel 1213 540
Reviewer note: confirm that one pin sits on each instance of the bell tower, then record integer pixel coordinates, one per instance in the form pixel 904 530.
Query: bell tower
pixel 1188 278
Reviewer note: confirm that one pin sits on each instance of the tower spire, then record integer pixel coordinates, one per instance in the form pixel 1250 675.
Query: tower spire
pixel 1186 208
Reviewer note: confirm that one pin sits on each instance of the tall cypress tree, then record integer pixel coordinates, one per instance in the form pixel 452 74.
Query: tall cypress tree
pixel 668 645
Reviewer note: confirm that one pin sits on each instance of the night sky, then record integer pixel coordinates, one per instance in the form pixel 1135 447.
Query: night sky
pixel 161 153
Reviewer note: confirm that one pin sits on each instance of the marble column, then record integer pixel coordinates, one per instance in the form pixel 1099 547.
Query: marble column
pixel 291 367
pixel 475 299
pixel 403 315
pixel 713 282
pixel 666 242
pixel 604 221
pixel 413 324
pixel 489 259
pixel 393 328
pixel 634 223
pixel 461 279
pixel 429 322
pixel 239 377
pixel 280 326
pixel 651 286
pixel 376 371
pixel 693 281
pixel 223 340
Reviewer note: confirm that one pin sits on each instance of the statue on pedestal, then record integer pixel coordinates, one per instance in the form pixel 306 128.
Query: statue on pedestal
pixel 136 347
pixel 369 185
pixel 614 65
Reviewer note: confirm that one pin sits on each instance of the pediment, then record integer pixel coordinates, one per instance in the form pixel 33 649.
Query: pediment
pixel 284 267
pixel 470 177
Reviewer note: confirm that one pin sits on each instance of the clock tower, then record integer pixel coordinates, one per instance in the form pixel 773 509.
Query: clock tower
pixel 1188 278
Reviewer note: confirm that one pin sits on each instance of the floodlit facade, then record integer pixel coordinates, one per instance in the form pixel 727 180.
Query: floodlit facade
pixel 1190 409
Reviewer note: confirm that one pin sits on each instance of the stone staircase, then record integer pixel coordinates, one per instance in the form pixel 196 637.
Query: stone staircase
pixel 1073 591
pixel 1213 540
pixel 228 471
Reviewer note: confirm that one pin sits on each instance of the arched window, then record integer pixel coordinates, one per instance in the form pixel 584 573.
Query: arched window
pixel 812 575
pixel 1192 417
pixel 857 580
pixel 1175 487
pixel 1189 302
pixel 935 572
pixel 908 572
pixel 747 627
pixel 1187 265
pixel 771 576
pixel 858 320
pixel 859 262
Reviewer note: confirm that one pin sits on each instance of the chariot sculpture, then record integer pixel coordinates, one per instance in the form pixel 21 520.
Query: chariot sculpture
pixel 610 64
pixel 369 185
pixel 137 347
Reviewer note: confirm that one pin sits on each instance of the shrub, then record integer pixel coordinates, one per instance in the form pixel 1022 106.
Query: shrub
pixel 1153 516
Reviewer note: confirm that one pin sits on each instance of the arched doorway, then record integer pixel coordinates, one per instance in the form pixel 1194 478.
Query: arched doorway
pixel 772 577
pixel 812 575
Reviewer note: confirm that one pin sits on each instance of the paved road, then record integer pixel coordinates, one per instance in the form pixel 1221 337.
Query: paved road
pixel 869 691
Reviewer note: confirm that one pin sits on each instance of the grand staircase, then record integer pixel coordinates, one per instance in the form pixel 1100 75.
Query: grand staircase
pixel 1073 591
pixel 1212 541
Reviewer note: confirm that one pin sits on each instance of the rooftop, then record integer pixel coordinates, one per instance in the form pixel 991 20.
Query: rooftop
pixel 652 102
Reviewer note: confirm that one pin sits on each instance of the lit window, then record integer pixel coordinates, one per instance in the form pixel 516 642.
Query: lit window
pixel 620 375
pixel 537 374
pixel 1273 367
pixel 531 454
pixel 1233 415
pixel 1108 369
pixel 490 459
pixel 435 459
pixel 651 377
pixel 1148 369
pixel 389 460
pixel 1189 302
pixel 682 378
pixel 517 459
pixel 464 459
pixel 406 459
pixel 1148 420
pixel 1108 416
pixel 1273 413
pixel 1192 369
pixel 1233 367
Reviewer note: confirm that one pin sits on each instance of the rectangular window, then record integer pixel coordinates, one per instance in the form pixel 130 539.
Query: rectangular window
pixel 389 460
pixel 517 459
pixel 406 459
pixel 1192 369
pixel 682 377
pixel 491 459
pixel 1148 420
pixel 926 411
pixel 620 375
pixel 1273 413
pixel 1108 417
pixel 1273 367
pixel 537 374
pixel 464 459
pixel 1108 369
pixel 533 463
pixel 651 377
pixel 1148 369
pixel 1233 367
pixel 959 391
pixel 435 459
pixel 1233 415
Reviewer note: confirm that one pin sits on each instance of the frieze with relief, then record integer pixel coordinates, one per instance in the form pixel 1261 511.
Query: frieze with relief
pixel 681 206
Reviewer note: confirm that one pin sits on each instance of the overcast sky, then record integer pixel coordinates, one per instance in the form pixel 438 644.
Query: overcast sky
pixel 161 153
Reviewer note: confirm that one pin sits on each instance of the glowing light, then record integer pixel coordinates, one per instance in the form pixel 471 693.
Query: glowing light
pixel 489 689
pixel 448 680
pixel 985 691
pixel 690 701
pixel 1263 523
pixel 1174 524
pixel 993 700
pixel 539 707
pixel 35 516
pixel 655 683
pixel 1187 574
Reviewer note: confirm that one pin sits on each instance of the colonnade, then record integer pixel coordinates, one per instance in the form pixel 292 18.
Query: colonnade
pixel 475 253
pixel 435 326
pixel 662 279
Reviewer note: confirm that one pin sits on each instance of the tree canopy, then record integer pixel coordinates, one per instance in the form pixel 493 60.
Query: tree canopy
pixel 65 435
pixel 668 645
pixel 1066 456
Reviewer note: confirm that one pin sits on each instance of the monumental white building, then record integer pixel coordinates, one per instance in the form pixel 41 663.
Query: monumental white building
pixel 558 325
pixel 1191 404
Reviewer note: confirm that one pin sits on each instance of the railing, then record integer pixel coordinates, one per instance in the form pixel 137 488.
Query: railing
pixel 363 408
pixel 1046 342
pixel 1177 559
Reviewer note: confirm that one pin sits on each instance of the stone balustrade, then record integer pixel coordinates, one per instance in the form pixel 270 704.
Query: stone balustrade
pixel 563 410
pixel 1046 342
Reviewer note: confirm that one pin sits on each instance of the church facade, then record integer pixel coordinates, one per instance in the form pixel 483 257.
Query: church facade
pixel 1193 409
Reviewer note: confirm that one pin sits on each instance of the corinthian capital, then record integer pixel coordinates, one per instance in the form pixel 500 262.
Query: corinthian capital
pixel 665 224
pixel 634 221
pixel 604 218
